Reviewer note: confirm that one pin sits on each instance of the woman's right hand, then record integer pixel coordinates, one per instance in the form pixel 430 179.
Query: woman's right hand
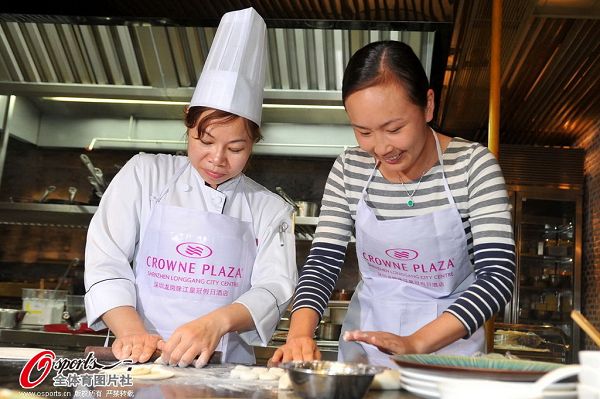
pixel 133 341
pixel 137 347
pixel 296 348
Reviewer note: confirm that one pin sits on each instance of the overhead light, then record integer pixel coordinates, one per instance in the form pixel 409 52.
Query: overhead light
pixel 159 102
pixel 113 101
pixel 303 106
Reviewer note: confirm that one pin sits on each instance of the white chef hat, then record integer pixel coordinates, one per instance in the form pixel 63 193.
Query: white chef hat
pixel 233 77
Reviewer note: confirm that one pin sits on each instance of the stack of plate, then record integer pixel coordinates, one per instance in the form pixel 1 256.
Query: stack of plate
pixel 422 374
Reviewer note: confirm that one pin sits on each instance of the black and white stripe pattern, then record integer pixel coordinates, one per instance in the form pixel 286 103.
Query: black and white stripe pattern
pixel 478 188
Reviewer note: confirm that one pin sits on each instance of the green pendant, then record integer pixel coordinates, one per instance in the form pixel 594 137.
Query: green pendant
pixel 410 203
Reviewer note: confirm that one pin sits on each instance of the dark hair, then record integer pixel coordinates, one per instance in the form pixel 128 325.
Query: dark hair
pixel 192 117
pixel 383 62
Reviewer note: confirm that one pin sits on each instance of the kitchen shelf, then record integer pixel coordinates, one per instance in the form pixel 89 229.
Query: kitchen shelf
pixel 53 215
pixel 307 220
pixel 562 259
pixel 545 288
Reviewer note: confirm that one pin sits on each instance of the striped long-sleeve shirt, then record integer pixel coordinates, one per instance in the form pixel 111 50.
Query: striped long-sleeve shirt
pixel 478 188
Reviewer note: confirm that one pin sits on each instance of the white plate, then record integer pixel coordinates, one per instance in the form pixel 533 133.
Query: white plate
pixel 420 392
pixel 19 353
pixel 425 385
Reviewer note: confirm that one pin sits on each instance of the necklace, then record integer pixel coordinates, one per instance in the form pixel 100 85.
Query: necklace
pixel 410 201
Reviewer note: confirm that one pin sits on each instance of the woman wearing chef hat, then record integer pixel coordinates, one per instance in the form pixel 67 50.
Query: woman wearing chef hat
pixel 212 251
pixel 432 219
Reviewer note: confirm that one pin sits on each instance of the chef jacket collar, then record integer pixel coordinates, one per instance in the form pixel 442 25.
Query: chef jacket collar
pixel 225 187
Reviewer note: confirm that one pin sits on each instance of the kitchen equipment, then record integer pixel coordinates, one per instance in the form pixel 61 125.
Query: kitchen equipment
pixel 16 353
pixel 72 193
pixel 97 189
pixel 532 341
pixel 333 380
pixel 341 294
pixel 337 314
pixel 525 339
pixel 43 306
pixel 329 331
pixel 301 208
pixel 62 278
pixel 105 353
pixel 92 169
pixel 283 324
pixel 74 310
pixel 79 328
pixel 49 190
pixel 287 198
pixel 100 177
pixel 11 318
pixel 307 208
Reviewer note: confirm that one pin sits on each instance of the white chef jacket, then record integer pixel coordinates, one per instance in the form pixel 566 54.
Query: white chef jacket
pixel 120 221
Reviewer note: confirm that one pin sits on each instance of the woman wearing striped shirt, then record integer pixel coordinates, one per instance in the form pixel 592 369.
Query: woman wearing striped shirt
pixel 432 222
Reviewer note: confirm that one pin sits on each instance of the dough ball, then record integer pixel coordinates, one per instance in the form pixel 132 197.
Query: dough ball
pixel 156 373
pixel 268 377
pixel 133 370
pixel 248 375
pixel 386 380
pixel 278 371
pixel 260 370
pixel 151 372
pixel 235 373
pixel 241 367
pixel 141 370
pixel 116 370
pixel 285 384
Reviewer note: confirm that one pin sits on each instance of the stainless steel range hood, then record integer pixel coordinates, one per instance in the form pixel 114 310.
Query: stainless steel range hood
pixel 39 61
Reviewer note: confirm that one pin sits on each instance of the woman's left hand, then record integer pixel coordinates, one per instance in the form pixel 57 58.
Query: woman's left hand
pixel 386 342
pixel 198 337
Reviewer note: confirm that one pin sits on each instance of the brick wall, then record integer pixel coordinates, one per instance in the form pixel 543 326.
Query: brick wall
pixel 591 234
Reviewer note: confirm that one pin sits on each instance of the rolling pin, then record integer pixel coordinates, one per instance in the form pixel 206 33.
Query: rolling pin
pixel 105 354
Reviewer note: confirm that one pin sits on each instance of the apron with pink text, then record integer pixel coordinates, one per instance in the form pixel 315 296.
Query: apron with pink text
pixel 189 263
pixel 411 271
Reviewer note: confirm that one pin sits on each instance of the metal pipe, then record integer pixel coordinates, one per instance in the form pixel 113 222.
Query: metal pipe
pixel 494 119
pixel 4 133
pixel 96 140
pixel 495 76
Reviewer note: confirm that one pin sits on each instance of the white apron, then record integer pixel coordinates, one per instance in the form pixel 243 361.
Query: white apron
pixel 189 263
pixel 411 271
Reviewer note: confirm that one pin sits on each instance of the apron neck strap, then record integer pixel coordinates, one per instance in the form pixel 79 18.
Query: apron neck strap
pixel 172 180
pixel 364 191
pixel 441 159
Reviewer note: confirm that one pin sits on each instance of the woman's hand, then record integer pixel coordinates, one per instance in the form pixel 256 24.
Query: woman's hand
pixel 386 342
pixel 300 344
pixel 198 337
pixel 133 341
pixel 296 348
pixel 431 337
pixel 138 347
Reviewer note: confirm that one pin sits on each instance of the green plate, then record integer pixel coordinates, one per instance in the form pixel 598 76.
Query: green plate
pixel 477 367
